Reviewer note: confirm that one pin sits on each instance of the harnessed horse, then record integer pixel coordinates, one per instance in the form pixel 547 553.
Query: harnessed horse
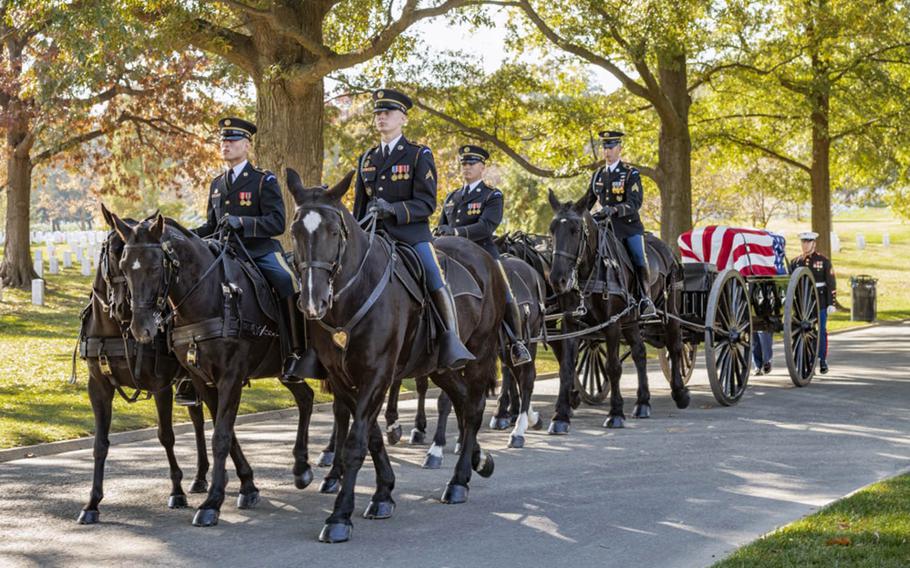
pixel 370 329
pixel 220 330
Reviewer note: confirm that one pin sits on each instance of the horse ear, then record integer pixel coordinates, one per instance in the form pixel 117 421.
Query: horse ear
pixel 586 202
pixel 554 202
pixel 157 228
pixel 338 191
pixel 153 215
pixel 107 216
pixel 295 184
pixel 123 230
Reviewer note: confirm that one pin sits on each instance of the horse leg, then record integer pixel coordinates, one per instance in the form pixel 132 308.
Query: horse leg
pixel 164 404
pixel 327 456
pixel 393 428
pixel 433 459
pixel 303 395
pixel 338 526
pixel 223 443
pixel 381 504
pixel 514 400
pixel 617 418
pixel 101 395
pixel 500 420
pixel 200 485
pixel 678 390
pixel 567 352
pixel 241 466
pixel 469 401
pixel 642 407
pixel 419 433
pixel 526 417
pixel 332 481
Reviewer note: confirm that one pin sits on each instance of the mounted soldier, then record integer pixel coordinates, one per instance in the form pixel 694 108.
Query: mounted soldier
pixel 247 201
pixel 396 181
pixel 617 187
pixel 474 212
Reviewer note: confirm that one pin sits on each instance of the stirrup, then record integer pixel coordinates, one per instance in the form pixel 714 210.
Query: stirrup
pixel 646 309
pixel 519 354
pixel 186 396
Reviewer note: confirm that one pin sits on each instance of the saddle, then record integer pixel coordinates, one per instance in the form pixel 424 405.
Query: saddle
pixel 525 293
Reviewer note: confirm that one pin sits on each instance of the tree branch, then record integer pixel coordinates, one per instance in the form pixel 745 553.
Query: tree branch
pixel 284 25
pixel 767 151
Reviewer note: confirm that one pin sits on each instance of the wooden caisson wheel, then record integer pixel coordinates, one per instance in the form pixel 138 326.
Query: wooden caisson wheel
pixel 728 337
pixel 801 320
pixel 591 379
pixel 689 351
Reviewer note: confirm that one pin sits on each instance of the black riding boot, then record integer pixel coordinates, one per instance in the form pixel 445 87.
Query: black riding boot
pixel 518 352
pixel 645 305
pixel 185 395
pixel 453 355
pixel 301 362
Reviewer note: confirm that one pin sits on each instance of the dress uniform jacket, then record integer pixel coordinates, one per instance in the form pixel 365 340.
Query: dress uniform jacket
pixel 254 197
pixel 407 180
pixel 474 214
pixel 824 276
pixel 621 189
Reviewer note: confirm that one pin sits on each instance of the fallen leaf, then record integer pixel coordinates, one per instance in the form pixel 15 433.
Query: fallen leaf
pixel 839 541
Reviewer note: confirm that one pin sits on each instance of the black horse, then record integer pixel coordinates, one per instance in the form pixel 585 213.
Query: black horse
pixel 370 328
pixel 115 361
pixel 582 256
pixel 223 333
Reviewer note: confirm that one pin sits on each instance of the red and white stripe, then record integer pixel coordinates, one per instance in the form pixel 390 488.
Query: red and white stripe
pixel 750 251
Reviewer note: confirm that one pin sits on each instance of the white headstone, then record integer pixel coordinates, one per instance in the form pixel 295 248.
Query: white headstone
pixel 835 242
pixel 51 250
pixel 86 267
pixel 79 256
pixel 39 255
pixel 886 240
pixel 54 265
pixel 38 292
pixel 860 241
pixel 39 267
pixel 67 259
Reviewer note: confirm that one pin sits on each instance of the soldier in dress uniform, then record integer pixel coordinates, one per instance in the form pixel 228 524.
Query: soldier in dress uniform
pixel 247 201
pixel 617 187
pixel 396 180
pixel 825 284
pixel 474 212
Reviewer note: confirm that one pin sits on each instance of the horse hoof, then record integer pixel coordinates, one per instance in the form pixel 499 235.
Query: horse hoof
pixel 379 510
pixel 326 459
pixel 89 517
pixel 681 398
pixel 393 435
pixel 558 428
pixel 336 532
pixel 455 494
pixel 516 441
pixel 177 502
pixel 641 411
pixel 301 481
pixel 539 424
pixel 418 438
pixel 499 423
pixel 432 462
pixel 485 468
pixel 330 485
pixel 248 500
pixel 457 448
pixel 205 518
pixel 615 422
pixel 199 486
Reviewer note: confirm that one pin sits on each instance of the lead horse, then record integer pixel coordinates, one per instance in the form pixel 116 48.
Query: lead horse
pixel 581 254
pixel 368 329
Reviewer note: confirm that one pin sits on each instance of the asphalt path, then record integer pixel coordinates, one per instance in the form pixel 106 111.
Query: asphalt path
pixel 682 488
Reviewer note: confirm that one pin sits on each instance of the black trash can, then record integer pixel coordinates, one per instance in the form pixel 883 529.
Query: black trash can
pixel 864 298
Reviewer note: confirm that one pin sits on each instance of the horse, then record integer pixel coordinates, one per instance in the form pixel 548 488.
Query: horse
pixel 578 254
pixel 115 361
pixel 222 329
pixel 357 291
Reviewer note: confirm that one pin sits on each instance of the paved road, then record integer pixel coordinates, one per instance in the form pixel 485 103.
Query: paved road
pixel 681 489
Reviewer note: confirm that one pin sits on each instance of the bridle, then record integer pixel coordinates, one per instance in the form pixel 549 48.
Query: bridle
pixel 111 282
pixel 576 258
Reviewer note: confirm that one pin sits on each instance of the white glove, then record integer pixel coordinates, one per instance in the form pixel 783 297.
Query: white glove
pixel 831 310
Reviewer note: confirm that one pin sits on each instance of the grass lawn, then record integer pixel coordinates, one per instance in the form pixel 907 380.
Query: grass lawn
pixel 868 529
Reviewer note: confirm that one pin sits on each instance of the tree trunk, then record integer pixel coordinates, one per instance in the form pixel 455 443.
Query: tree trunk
pixel 820 173
pixel 674 154
pixel 17 269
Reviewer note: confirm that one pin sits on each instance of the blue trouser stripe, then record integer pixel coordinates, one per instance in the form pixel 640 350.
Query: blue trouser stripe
pixel 635 245
pixel 427 257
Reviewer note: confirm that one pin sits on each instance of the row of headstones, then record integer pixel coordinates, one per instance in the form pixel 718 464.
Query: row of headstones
pixel 86 257
pixel 860 241
pixel 72 238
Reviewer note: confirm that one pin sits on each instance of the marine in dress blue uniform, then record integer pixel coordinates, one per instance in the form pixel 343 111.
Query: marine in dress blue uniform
pixel 825 283
pixel 396 181
pixel 474 212
pixel 617 188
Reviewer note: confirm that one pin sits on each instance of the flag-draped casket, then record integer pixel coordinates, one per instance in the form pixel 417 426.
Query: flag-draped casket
pixel 753 252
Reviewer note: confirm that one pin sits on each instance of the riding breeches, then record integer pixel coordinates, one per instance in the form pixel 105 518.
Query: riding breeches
pixel 427 255
pixel 635 246
pixel 278 273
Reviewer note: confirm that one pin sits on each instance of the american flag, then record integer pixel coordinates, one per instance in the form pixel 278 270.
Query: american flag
pixel 751 251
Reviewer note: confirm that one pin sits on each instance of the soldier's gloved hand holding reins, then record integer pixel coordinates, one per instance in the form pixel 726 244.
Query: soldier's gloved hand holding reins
pixel 603 213
pixel 382 208
pixel 232 222
pixel 445 231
